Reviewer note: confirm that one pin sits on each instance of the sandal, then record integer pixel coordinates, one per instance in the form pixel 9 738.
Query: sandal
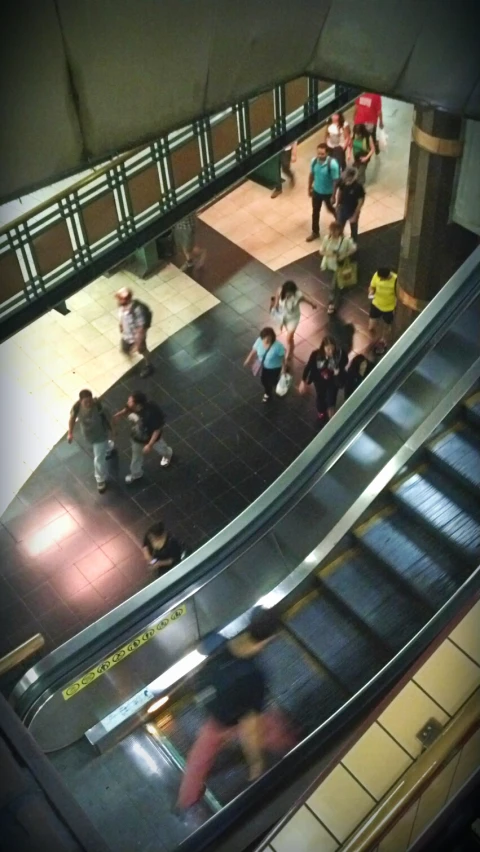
pixel 265 397
pixel 331 309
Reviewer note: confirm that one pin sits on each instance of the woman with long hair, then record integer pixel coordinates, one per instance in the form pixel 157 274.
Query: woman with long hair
pixel 363 149
pixel 338 138
pixel 358 369
pixel 325 369
pixel 286 307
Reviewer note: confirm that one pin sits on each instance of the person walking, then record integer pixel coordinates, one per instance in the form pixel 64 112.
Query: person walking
pixel 161 549
pixel 185 239
pixel 286 306
pixel 383 295
pixel 325 369
pixel 269 358
pixel 357 370
pixel 362 151
pixel 97 430
pixel 235 693
pixel 322 183
pixel 368 111
pixel 287 157
pixel 334 250
pixel 338 138
pixel 350 198
pixel 135 318
pixel 147 425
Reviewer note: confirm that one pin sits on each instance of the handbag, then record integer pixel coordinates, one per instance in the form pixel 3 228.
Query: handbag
pixel 284 384
pixel 346 274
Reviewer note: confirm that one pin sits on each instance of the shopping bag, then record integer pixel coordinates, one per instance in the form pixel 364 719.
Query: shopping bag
pixel 382 139
pixel 284 384
pixel 257 367
pixel 347 274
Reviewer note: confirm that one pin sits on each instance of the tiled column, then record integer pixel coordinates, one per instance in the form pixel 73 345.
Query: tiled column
pixel 432 246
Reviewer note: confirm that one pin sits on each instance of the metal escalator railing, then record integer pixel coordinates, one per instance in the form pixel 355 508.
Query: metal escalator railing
pixel 451 310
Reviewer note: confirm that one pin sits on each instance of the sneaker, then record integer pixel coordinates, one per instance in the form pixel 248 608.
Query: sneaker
pixel 198 263
pixel 313 236
pixel 101 487
pixel 165 460
pixel 186 266
pixel 147 371
pixel 276 192
pixel 265 397
pixel 129 478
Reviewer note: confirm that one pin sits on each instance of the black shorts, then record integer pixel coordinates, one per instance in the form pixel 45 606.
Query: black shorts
pixel 386 316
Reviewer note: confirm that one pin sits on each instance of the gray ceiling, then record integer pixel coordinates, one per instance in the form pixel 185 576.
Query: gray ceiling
pixel 81 79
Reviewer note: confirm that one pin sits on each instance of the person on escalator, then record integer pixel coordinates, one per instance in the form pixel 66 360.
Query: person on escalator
pixel 235 695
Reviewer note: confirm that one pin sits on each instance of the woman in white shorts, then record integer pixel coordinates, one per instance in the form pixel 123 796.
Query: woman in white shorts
pixel 286 308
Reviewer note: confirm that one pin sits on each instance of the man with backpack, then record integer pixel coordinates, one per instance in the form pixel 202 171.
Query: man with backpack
pixel 234 692
pixel 135 318
pixel 97 430
pixel 322 185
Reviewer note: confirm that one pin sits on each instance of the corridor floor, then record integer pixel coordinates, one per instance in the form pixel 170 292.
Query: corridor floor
pixel 70 555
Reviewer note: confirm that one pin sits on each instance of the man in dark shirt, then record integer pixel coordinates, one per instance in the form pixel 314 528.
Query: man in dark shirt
pixel 350 197
pixel 147 422
pixel 236 698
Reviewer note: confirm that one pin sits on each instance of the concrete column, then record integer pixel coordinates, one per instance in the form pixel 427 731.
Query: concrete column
pixel 432 246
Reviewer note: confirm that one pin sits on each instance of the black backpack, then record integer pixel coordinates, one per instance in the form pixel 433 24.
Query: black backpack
pixel 146 312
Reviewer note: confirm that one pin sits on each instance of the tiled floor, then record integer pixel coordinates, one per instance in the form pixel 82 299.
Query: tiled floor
pixel 70 554
pixel 274 230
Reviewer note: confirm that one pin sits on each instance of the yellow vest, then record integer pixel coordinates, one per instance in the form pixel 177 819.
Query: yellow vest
pixel 385 297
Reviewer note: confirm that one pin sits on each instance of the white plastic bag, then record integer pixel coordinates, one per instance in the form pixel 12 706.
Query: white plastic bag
pixel 382 139
pixel 284 384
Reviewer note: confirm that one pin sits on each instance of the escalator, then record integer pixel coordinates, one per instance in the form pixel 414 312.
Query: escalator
pixel 368 548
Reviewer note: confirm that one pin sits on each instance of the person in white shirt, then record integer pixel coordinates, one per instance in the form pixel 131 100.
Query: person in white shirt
pixel 286 307
pixel 338 138
pixel 335 248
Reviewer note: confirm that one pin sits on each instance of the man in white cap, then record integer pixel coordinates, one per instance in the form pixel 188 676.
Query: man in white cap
pixel 135 319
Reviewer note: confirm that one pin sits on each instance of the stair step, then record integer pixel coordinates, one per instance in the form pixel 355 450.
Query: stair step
pixel 459 449
pixel 472 408
pixel 337 642
pixel 376 599
pixel 412 553
pixel 440 503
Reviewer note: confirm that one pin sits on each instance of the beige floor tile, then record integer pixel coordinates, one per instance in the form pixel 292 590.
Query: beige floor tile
pixel 79 300
pixel 190 314
pixel 156 335
pixel 341 803
pixel 398 838
pixel 105 323
pixel 177 304
pixel 407 714
pixel 160 310
pixel 449 677
pixel 163 293
pixel 91 311
pixel 194 294
pixel 171 325
pixel 98 345
pixel 207 302
pixel 304 833
pixel 467 634
pixel 377 761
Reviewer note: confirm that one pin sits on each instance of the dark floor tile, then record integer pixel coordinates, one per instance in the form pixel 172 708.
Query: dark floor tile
pixel 42 599
pixel 119 547
pixel 213 486
pixel 78 546
pixel 112 585
pixel 227 293
pixel 190 500
pixel 87 603
pixel 24 580
pixel 94 565
pixel 134 567
pixel 210 518
pixel 127 514
pixel 59 621
pixel 235 471
pixel 28 521
pixel 8 596
pixel 99 527
pixel 242 304
pixel 252 487
pixel 69 581
pixel 14 616
pixel 281 447
pixel 232 503
pixel 7 540
pixel 151 498
pixel 206 412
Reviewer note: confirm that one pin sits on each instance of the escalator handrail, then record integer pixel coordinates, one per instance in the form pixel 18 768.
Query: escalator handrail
pixel 218 553
pixel 333 731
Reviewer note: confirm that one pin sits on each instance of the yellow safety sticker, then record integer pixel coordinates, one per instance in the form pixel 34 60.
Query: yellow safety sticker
pixel 122 653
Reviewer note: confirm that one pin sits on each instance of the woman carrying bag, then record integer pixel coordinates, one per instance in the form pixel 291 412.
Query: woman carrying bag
pixel 269 360
pixel 335 250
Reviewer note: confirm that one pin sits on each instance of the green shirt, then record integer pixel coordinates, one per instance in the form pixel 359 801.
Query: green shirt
pixel 93 422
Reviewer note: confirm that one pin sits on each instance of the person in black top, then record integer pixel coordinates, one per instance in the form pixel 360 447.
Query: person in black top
pixel 358 368
pixel 161 549
pixel 350 198
pixel 235 694
pixel 147 422
pixel 325 369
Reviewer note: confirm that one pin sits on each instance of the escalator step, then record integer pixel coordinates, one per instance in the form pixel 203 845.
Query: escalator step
pixel 337 642
pixel 408 549
pixel 306 693
pixel 438 501
pixel 460 451
pixel 377 600
pixel 472 408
